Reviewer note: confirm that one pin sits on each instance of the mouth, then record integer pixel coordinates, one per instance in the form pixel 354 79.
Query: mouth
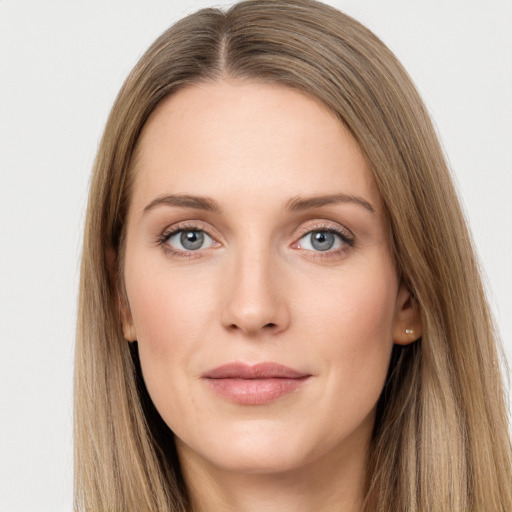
pixel 258 384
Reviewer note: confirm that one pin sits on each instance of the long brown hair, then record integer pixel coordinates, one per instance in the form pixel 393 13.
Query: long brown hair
pixel 441 439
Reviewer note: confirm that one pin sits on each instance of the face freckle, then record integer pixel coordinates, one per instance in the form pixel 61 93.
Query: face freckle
pixel 256 239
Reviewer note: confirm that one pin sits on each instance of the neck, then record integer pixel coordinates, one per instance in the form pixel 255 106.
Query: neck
pixel 332 483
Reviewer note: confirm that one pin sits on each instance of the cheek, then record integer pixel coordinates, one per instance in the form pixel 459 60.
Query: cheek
pixel 169 309
pixel 366 313
pixel 356 306
pixel 352 323
pixel 170 314
pixel 175 311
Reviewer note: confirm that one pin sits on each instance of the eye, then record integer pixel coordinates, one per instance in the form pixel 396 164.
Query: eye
pixel 323 240
pixel 189 240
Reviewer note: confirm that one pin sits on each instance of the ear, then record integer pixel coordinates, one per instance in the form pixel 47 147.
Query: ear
pixel 122 302
pixel 407 326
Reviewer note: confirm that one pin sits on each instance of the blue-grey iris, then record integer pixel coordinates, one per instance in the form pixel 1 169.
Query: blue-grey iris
pixel 322 240
pixel 192 240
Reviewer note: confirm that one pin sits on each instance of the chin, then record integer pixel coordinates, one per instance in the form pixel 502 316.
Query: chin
pixel 257 448
pixel 257 459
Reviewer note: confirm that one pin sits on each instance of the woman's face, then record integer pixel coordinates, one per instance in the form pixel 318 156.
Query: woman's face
pixel 260 281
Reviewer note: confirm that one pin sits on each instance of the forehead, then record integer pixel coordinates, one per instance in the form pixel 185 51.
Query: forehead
pixel 247 139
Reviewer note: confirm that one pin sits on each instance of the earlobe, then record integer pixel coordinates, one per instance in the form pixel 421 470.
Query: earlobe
pixel 407 327
pixel 129 331
pixel 123 307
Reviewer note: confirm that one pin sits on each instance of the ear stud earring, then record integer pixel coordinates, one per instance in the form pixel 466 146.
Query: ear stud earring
pixel 409 331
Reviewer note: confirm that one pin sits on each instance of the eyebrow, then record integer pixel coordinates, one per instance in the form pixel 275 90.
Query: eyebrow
pixel 184 201
pixel 295 204
pixel 309 203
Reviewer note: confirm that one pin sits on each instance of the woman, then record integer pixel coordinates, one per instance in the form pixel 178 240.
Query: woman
pixel 280 306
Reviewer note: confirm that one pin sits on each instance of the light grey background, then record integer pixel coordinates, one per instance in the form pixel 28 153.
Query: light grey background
pixel 61 65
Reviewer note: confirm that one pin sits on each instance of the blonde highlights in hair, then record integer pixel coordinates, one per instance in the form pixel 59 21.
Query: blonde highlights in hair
pixel 441 441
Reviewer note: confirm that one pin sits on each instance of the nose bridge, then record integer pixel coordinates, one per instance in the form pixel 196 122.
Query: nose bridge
pixel 255 300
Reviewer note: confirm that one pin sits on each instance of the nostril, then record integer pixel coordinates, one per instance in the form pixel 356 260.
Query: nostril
pixel 270 325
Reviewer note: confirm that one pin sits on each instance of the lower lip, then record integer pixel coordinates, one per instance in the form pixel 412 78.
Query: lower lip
pixel 255 391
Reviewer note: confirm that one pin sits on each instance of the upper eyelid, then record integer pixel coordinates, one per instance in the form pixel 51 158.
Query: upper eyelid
pixel 326 226
pixel 305 228
pixel 188 226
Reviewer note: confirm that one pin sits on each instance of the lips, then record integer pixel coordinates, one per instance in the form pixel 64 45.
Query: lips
pixel 258 384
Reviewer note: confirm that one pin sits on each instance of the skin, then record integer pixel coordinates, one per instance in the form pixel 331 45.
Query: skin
pixel 257 290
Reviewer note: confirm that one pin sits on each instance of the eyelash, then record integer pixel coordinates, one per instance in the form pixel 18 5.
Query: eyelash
pixel 346 237
pixel 167 235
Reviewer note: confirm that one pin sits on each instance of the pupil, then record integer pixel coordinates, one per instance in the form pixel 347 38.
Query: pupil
pixel 322 240
pixel 192 240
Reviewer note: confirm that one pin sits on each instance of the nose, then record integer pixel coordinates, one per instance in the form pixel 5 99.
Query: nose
pixel 255 296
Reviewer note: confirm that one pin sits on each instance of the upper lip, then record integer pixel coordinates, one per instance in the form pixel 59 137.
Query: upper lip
pixel 239 370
